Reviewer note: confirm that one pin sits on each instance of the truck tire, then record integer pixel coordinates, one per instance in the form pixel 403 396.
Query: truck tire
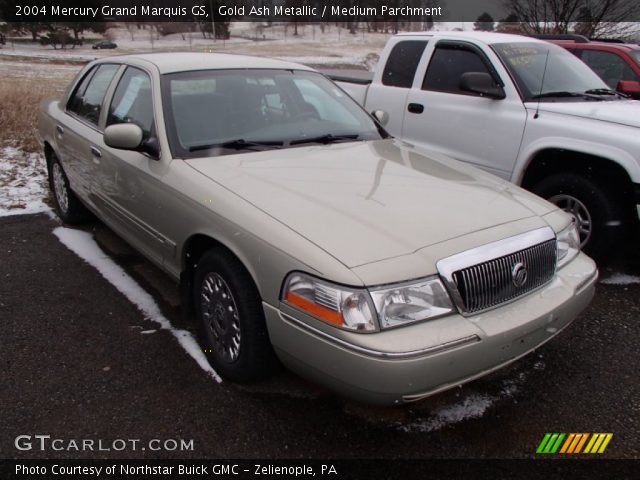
pixel 68 206
pixel 597 207
pixel 231 322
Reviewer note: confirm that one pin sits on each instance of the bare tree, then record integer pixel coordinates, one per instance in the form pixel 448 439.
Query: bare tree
pixel 592 18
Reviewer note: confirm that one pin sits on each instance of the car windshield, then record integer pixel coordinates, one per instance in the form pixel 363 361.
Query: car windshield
pixel 566 76
pixel 222 112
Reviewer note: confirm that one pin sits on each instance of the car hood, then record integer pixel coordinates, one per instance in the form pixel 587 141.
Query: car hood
pixel 367 201
pixel 623 112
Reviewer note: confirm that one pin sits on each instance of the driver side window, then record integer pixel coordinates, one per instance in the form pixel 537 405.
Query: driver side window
pixel 132 101
pixel 447 67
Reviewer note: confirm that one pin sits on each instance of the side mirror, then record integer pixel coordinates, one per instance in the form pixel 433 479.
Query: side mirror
pixel 630 87
pixel 481 83
pixel 125 136
pixel 381 116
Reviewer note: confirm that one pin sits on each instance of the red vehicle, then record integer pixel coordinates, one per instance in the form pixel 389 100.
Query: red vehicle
pixel 618 64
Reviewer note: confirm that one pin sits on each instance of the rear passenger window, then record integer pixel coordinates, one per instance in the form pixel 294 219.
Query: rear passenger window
pixel 86 101
pixel 447 65
pixel 132 101
pixel 402 63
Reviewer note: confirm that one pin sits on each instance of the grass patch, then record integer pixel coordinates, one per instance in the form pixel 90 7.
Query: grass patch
pixel 19 104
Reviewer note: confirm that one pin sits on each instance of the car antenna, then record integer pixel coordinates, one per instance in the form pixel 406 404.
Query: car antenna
pixel 544 73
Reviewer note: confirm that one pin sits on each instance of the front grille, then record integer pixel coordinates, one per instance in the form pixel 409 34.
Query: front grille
pixel 494 282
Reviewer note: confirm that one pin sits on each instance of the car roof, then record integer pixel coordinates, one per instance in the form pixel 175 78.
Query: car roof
pixel 486 37
pixel 594 44
pixel 188 61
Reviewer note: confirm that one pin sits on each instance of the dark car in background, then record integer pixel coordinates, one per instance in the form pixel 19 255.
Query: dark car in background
pixel 617 63
pixel 104 44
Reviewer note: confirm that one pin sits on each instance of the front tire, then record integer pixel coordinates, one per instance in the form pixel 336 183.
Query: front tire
pixel 68 207
pixel 231 321
pixel 597 208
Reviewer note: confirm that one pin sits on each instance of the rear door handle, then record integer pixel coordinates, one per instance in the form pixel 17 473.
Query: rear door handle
pixel 415 108
pixel 96 152
pixel 60 130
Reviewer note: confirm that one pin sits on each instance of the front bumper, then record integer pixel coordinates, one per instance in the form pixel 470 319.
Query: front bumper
pixel 410 363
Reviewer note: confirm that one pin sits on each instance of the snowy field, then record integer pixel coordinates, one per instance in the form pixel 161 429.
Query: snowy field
pixel 23 184
pixel 335 46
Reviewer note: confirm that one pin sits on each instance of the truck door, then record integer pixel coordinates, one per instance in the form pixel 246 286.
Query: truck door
pixel 473 128
pixel 389 93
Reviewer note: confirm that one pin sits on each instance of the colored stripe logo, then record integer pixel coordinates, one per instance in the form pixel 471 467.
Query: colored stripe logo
pixel 593 443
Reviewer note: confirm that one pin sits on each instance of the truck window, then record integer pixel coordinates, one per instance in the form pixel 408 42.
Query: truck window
pixel 86 101
pixel 402 63
pixel 447 66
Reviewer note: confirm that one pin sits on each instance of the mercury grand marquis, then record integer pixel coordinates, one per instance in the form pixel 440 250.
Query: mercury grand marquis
pixel 299 230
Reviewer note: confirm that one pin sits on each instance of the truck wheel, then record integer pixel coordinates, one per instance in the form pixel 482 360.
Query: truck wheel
pixel 230 318
pixel 68 207
pixel 596 207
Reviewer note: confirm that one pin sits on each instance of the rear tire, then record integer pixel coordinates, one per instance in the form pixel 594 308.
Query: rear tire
pixel 231 322
pixel 597 207
pixel 68 206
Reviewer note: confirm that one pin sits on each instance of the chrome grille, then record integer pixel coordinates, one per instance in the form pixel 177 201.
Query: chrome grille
pixel 494 282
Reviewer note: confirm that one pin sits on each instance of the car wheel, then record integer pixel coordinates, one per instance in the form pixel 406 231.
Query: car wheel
pixel 67 205
pixel 596 207
pixel 230 318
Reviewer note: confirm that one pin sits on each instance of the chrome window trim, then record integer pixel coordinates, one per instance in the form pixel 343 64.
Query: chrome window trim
pixel 484 253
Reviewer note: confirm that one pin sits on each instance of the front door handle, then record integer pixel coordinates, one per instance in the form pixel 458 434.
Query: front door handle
pixel 415 108
pixel 60 130
pixel 96 152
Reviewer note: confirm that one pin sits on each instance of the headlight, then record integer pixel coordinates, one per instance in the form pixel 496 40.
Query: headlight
pixel 408 303
pixel 568 241
pixel 362 310
pixel 343 307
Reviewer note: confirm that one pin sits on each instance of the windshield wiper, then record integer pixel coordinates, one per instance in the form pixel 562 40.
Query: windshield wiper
pixel 565 94
pixel 238 144
pixel 558 94
pixel 328 138
pixel 603 91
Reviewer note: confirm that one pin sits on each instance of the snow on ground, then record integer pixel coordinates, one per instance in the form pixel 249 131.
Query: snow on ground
pixel 473 405
pixel 334 46
pixel 37 70
pixel 23 183
pixel 619 278
pixel 83 245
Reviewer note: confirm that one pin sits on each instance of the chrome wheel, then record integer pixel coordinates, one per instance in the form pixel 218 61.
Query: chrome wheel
pixel 578 211
pixel 220 315
pixel 60 188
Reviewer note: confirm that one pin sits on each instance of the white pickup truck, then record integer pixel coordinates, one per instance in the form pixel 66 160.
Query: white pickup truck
pixel 523 109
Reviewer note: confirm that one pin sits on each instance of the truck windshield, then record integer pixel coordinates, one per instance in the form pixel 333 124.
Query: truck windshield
pixel 566 76
pixel 636 55
pixel 222 112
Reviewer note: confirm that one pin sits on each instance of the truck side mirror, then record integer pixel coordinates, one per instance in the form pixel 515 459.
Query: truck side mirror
pixel 381 116
pixel 629 87
pixel 482 84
